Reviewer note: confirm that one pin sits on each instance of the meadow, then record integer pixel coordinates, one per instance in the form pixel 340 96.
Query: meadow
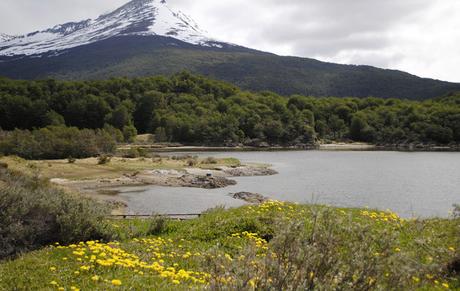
pixel 271 246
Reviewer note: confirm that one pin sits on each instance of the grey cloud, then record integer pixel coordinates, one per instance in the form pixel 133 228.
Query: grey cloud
pixel 317 28
pixel 329 27
pixel 23 16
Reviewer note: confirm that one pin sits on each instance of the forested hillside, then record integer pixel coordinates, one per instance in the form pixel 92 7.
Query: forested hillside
pixel 137 56
pixel 192 109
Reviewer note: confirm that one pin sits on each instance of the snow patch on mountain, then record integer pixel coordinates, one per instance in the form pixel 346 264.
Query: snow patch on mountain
pixel 138 17
pixel 5 37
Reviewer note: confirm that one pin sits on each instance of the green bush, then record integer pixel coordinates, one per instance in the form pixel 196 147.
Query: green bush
pixel 131 153
pixel 34 214
pixel 57 142
pixel 157 225
pixel 129 133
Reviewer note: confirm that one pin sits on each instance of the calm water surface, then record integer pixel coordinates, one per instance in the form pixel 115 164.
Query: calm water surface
pixel 420 184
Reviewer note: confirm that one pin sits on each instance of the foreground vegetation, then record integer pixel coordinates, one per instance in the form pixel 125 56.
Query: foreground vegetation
pixel 34 214
pixel 195 110
pixel 272 246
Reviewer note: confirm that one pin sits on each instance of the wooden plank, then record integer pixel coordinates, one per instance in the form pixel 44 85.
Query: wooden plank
pixel 169 215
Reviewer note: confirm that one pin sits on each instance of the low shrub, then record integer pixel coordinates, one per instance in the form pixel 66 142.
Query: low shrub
pixel 210 160
pixel 314 255
pixel 131 153
pixel 157 225
pixel 34 214
pixel 103 159
pixel 192 162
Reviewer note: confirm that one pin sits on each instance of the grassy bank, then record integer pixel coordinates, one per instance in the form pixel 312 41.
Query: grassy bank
pixel 273 246
pixel 90 168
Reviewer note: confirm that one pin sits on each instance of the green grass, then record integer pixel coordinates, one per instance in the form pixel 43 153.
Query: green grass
pixel 84 169
pixel 253 247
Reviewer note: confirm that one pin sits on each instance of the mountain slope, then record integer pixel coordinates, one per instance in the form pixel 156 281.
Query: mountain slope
pixel 146 37
pixel 138 17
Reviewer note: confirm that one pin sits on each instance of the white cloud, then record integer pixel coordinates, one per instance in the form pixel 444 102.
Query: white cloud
pixel 417 36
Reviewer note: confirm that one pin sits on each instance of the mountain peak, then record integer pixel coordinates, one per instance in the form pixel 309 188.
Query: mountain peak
pixel 137 17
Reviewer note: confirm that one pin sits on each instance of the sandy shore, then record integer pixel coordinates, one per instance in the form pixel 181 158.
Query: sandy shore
pixel 347 146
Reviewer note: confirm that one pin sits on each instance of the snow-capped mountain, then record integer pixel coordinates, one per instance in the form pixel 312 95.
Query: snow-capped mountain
pixel 148 38
pixel 138 17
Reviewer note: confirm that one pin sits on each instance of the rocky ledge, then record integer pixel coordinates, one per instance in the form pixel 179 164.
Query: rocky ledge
pixel 246 171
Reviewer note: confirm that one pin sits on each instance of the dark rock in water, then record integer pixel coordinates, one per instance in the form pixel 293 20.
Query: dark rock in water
pixel 217 182
pixel 206 182
pixel 250 171
pixel 249 197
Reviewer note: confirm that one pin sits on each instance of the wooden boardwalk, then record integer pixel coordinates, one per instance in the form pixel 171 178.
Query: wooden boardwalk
pixel 177 216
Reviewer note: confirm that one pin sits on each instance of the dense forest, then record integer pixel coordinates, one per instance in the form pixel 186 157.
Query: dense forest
pixel 192 109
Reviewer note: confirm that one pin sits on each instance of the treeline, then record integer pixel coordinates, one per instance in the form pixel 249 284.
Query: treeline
pixel 59 142
pixel 195 110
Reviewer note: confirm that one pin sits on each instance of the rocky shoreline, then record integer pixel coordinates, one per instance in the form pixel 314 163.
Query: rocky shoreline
pixel 189 177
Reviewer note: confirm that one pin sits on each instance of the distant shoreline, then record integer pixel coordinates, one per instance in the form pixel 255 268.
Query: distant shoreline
pixel 320 147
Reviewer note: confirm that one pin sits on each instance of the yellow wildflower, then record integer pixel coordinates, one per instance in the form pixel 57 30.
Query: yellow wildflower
pixel 95 278
pixel 116 282
pixel 175 282
pixel 445 285
pixel 52 269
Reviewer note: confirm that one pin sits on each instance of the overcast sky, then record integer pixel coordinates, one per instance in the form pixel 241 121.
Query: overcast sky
pixel 418 36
